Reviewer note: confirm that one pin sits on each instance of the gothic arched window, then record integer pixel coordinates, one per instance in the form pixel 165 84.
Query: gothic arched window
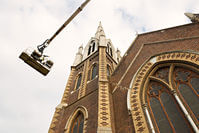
pixel 165 111
pixel 91 47
pixel 77 124
pixel 78 81
pixel 94 71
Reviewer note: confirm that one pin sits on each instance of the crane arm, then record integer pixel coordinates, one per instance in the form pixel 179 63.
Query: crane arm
pixel 68 21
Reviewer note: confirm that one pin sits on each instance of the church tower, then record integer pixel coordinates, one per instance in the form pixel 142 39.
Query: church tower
pixel 86 103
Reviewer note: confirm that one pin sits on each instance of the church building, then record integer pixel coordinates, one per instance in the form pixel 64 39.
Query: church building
pixel 153 88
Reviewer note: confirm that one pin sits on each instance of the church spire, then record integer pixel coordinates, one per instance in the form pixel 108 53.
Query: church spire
pixel 100 31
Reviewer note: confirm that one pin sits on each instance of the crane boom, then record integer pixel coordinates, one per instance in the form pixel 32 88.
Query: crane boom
pixel 68 21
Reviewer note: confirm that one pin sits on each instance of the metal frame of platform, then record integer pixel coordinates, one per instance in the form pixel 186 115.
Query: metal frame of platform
pixel 34 63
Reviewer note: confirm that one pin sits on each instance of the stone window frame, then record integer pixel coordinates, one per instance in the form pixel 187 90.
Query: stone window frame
pixel 136 100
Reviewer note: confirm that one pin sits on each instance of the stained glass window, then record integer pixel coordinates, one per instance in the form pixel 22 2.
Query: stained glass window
pixel 166 114
pixel 78 124
pixel 164 109
pixel 187 86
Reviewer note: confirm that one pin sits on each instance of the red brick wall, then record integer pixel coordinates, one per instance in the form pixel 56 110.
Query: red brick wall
pixel 173 39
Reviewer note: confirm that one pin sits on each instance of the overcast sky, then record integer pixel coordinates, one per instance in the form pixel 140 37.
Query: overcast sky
pixel 28 99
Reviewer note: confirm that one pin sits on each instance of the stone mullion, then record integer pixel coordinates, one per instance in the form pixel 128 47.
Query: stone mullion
pixel 82 90
pixel 104 120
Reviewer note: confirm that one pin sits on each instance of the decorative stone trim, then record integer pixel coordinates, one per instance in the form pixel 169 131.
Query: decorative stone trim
pixel 82 91
pixel 135 101
pixel 104 130
pixel 104 120
pixel 68 86
pixel 56 118
pixel 60 106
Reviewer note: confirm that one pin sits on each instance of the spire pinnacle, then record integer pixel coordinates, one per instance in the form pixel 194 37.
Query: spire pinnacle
pixel 100 31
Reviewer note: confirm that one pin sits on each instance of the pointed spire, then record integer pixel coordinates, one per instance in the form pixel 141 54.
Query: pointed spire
pixel 100 31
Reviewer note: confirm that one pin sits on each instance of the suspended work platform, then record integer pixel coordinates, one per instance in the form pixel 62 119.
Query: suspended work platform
pixel 37 61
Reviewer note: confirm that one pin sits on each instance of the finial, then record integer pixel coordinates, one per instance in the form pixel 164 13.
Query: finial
pixel 193 17
pixel 100 31
pixel 81 46
pixel 100 24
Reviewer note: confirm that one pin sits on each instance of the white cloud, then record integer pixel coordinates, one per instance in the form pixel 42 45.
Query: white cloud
pixel 27 99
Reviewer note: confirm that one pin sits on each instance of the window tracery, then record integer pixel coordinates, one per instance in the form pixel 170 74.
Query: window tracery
pixel 186 83
pixel 166 114
pixel 165 111
pixel 167 83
